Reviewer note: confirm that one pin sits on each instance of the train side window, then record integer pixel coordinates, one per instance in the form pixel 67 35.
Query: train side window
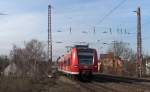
pixel 65 62
pixel 69 61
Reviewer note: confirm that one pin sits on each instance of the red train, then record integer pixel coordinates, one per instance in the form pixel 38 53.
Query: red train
pixel 80 60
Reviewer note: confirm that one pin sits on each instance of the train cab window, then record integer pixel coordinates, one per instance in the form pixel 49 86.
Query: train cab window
pixel 85 57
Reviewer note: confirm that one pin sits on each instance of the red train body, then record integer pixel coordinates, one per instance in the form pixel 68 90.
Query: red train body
pixel 80 60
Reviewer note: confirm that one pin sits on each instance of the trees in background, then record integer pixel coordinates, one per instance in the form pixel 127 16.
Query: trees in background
pixel 122 50
pixel 29 58
pixel 3 62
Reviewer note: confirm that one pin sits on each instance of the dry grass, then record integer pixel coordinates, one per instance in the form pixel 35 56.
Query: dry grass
pixel 20 84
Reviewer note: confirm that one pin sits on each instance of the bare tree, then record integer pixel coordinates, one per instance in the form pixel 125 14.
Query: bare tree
pixel 122 50
pixel 128 56
pixel 28 58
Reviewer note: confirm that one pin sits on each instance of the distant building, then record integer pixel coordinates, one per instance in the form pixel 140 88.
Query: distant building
pixel 104 60
pixel 109 64
pixel 29 69
pixel 11 69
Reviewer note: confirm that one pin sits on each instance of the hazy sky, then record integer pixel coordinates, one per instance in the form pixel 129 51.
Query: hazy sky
pixel 27 19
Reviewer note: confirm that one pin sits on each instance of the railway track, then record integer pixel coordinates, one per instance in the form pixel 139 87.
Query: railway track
pixel 119 84
pixel 137 86
pixel 115 84
pixel 126 83
pixel 108 88
pixel 117 87
pixel 112 78
pixel 92 86
pixel 96 87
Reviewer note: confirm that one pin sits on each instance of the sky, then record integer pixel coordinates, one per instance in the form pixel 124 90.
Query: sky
pixel 27 19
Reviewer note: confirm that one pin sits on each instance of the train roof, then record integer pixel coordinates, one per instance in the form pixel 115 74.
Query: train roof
pixel 81 46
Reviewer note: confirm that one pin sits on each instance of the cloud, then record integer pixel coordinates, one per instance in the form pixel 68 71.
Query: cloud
pixel 18 28
pixel 27 19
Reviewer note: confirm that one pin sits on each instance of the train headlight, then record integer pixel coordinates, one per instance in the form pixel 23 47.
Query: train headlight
pixel 76 66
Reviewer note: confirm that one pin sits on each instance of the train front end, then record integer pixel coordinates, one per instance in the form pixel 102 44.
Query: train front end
pixel 87 62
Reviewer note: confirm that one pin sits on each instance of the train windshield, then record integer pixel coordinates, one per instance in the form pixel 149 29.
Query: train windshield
pixel 85 57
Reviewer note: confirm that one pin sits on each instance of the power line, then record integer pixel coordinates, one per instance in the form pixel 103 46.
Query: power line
pixel 112 10
pixel 3 14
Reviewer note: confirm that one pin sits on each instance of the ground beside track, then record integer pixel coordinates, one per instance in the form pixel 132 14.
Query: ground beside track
pixel 63 84
pixel 107 86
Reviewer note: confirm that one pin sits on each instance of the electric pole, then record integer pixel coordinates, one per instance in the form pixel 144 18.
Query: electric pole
pixel 49 35
pixel 139 44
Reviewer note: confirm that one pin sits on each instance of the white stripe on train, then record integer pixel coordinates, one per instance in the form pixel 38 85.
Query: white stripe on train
pixel 68 72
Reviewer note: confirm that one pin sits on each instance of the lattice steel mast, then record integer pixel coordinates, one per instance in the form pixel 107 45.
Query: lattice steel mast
pixel 49 35
pixel 139 43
